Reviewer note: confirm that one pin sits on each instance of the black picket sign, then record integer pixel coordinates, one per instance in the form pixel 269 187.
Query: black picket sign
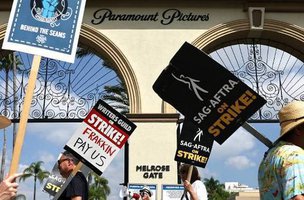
pixel 194 146
pixel 206 93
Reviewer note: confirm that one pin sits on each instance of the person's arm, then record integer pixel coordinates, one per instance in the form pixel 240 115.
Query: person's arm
pixel 8 187
pixel 190 189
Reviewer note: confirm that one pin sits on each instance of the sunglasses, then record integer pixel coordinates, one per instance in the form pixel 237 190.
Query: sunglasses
pixel 61 161
pixel 143 193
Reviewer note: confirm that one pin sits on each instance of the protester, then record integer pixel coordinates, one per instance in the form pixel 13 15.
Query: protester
pixel 281 172
pixel 77 189
pixel 195 188
pixel 144 193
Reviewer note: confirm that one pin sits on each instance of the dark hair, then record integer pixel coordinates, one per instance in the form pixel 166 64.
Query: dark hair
pixel 290 134
pixel 195 175
pixel 71 157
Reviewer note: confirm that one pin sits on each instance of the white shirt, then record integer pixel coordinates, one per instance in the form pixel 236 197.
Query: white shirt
pixel 200 190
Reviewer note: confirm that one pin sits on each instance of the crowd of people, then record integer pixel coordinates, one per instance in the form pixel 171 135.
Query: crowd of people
pixel 280 173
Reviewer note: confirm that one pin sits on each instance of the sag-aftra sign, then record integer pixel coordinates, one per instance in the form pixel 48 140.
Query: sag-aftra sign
pixel 207 93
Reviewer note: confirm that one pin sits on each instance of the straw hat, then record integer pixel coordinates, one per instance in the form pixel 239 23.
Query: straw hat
pixel 291 116
pixel 4 122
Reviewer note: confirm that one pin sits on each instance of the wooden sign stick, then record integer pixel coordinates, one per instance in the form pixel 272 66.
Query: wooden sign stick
pixel 24 114
pixel 189 175
pixel 258 135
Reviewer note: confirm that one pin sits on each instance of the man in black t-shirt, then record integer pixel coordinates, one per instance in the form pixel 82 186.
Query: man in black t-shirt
pixel 77 189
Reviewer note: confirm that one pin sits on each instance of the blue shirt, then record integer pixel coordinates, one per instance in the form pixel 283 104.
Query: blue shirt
pixel 281 172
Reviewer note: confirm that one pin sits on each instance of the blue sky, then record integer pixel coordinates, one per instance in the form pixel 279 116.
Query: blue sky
pixel 236 160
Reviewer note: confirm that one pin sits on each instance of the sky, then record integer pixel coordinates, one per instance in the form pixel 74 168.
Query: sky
pixel 236 160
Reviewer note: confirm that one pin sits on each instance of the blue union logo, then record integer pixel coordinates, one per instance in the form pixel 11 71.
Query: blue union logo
pixel 50 11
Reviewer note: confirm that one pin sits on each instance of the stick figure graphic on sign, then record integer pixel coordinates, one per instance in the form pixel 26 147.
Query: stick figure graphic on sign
pixel 198 135
pixel 192 84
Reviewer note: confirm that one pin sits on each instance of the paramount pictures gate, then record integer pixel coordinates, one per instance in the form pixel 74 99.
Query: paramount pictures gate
pixel 258 42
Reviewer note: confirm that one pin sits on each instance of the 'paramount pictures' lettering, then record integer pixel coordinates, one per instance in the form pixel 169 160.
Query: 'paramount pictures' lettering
pixel 165 18
pixel 206 93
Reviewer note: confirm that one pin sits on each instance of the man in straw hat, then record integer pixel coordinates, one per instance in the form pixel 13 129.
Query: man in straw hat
pixel 8 187
pixel 281 172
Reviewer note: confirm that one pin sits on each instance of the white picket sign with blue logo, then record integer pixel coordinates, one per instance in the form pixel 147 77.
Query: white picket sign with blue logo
pixel 48 28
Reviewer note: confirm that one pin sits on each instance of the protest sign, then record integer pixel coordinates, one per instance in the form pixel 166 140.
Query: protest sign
pixel 54 181
pixel 46 28
pixel 172 192
pixel 194 145
pixel 100 136
pixel 43 28
pixel 206 93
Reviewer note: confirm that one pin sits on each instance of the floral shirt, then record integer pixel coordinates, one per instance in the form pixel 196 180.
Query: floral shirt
pixel 281 172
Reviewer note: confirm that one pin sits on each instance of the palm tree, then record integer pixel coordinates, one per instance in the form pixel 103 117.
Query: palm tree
pixel 98 187
pixel 215 189
pixel 117 96
pixel 7 63
pixel 16 62
pixel 37 172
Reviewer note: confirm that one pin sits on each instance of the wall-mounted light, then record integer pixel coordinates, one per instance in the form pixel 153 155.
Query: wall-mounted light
pixel 256 17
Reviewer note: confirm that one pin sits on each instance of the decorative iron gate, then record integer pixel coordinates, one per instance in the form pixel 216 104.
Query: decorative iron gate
pixel 272 72
pixel 63 91
pixel 66 92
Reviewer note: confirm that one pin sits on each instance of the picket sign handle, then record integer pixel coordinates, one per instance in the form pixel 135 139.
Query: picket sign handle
pixel 189 173
pixel 24 114
pixel 68 180
pixel 258 135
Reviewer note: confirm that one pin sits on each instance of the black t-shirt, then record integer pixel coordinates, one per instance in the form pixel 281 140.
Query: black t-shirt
pixel 77 187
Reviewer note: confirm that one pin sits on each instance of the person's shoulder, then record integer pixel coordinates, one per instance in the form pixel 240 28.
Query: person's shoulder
pixel 79 177
pixel 289 147
pixel 289 151
pixel 80 174
pixel 198 183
